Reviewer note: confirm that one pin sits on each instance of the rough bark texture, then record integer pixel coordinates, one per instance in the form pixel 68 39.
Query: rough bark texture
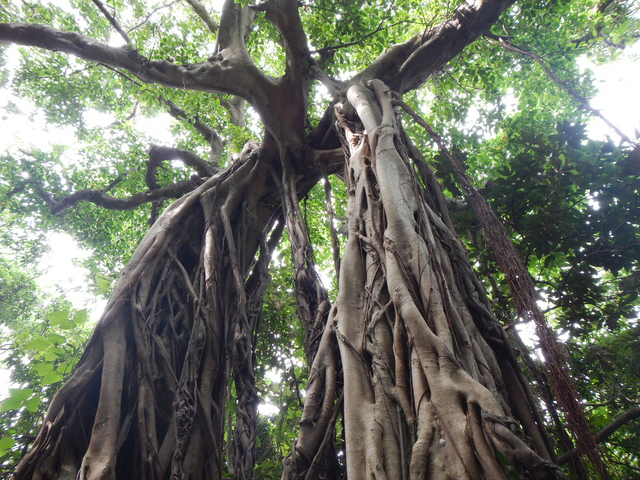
pixel 423 359
pixel 148 396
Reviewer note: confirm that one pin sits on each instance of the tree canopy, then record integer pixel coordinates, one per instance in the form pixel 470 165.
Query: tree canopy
pixel 248 112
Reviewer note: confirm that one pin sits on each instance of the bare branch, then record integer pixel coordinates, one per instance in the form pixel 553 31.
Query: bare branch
pixel 325 50
pixel 155 193
pixel 150 14
pixel 210 135
pixel 114 23
pixel 113 183
pixel 606 432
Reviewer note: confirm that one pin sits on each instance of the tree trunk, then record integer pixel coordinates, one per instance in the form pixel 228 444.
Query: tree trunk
pixel 424 362
pixel 411 357
pixel 147 398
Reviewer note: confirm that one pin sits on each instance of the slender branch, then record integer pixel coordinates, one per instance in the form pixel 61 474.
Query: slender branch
pixel 210 135
pixel 325 50
pixel 114 23
pixel 606 432
pixel 201 11
pixel 113 183
pixel 150 14
pixel 563 84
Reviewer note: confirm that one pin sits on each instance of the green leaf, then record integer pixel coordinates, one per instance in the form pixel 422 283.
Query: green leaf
pixel 63 368
pixel 43 368
pixel 20 393
pixel 56 339
pixel 33 403
pixel 56 318
pixel 50 378
pixel 10 404
pixel 39 344
pixel 6 443
pixel 16 399
pixel 51 354
pixel 103 283
pixel 80 316
pixel 68 325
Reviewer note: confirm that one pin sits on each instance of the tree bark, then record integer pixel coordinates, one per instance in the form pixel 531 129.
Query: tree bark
pixel 147 398
pixel 422 356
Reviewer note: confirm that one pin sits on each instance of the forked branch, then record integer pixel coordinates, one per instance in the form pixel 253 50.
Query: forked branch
pixel 236 77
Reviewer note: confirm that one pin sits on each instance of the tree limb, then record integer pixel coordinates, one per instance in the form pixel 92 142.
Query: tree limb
pixel 234 106
pixel 114 23
pixel 225 73
pixel 98 197
pixel 210 135
pixel 408 65
pixel 606 432
pixel 155 194
pixel 201 11
pixel 284 15
pixel 158 154
pixel 291 93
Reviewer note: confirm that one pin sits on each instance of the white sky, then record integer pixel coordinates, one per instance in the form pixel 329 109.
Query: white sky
pixel 618 98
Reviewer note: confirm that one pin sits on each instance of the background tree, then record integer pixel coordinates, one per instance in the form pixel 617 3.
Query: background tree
pixel 411 375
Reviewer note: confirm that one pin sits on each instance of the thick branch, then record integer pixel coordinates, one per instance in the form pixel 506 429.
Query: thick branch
pixel 408 65
pixel 158 154
pixel 114 23
pixel 235 107
pixel 606 432
pixel 238 76
pixel 201 11
pixel 291 95
pixel 100 198
pixel 284 15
